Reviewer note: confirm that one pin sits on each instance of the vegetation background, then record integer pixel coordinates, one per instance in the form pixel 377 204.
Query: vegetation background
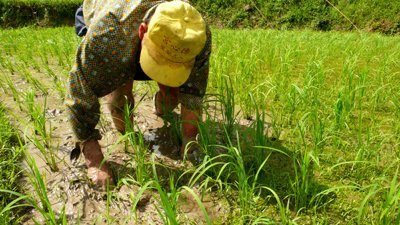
pixel 368 15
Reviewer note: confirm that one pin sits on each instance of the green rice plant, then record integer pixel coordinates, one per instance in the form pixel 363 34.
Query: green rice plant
pixel 38 116
pixel 43 55
pixel 318 130
pixel 294 100
pixel 259 129
pixel 283 211
pixel 303 163
pixel 27 75
pixel 226 99
pixel 168 201
pixel 340 113
pixel 109 199
pixel 347 94
pixel 136 139
pixel 259 136
pixel 385 211
pixel 232 166
pixel 344 82
pixel 241 184
pixel 47 152
pixel 302 184
pixel 40 188
pixel 236 169
pixel 286 59
pixel 199 203
pixel 10 169
pixel 361 93
pixel 276 123
pixel 44 206
pixel 59 86
pixel 13 205
pixel 3 84
pixel 174 124
pixel 15 93
pixel 208 171
pixel 135 198
pixel 208 136
pixel 9 65
pixel 58 83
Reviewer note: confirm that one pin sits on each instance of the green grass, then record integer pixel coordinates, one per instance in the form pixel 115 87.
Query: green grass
pixel 331 99
pixel 55 2
pixel 10 170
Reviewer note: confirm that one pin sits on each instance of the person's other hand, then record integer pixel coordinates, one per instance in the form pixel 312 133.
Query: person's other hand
pixel 98 170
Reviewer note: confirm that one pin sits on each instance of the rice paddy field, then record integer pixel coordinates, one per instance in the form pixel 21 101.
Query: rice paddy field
pixel 299 127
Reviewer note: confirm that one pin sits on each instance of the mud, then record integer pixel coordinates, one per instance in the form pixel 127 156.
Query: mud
pixel 69 189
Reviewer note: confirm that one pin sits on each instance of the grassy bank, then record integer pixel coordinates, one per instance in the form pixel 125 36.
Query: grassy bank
pixel 42 13
pixel 366 15
pixel 331 101
pixel 325 15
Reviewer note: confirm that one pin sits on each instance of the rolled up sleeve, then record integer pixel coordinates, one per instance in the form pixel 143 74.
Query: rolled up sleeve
pixel 83 106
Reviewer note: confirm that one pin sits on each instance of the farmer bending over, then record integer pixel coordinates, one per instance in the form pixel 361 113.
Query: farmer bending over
pixel 128 40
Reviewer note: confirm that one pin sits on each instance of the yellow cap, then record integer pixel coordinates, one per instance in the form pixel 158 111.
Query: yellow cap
pixel 176 35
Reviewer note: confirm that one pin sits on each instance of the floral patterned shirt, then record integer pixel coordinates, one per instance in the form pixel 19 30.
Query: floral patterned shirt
pixel 108 57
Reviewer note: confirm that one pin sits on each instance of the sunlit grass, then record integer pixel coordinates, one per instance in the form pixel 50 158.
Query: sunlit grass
pixel 329 100
pixel 10 170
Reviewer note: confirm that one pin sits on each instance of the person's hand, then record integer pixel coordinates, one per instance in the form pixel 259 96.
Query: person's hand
pixel 98 170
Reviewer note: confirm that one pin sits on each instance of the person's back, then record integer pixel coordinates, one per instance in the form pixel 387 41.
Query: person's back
pixel 169 41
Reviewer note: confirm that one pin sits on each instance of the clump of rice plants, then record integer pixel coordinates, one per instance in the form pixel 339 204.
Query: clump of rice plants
pixel 298 126
pixel 10 170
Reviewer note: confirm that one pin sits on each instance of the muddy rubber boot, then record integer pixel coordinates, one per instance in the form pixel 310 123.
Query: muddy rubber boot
pixel 98 170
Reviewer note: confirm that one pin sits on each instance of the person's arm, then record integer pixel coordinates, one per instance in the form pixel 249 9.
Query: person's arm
pixel 83 107
pixel 191 96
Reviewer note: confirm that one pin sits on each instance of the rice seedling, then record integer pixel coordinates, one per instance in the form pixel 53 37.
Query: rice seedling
pixel 136 140
pixel 14 92
pixel 199 202
pixel 227 101
pixel 10 169
pixel 168 201
pixel 304 160
pixel 43 144
pixel 136 197
pixel 27 75
pixel 39 185
pixel 331 100
pixel 387 211
pixel 38 200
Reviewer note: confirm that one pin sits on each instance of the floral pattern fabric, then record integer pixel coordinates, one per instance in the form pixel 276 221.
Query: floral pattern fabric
pixel 108 57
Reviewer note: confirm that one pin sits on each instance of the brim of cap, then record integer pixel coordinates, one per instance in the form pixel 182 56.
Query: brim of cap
pixel 165 72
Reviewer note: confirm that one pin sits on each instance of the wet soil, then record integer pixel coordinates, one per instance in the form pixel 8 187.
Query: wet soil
pixel 70 190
